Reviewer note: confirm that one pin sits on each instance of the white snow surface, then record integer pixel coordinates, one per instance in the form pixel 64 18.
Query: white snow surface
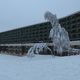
pixel 40 67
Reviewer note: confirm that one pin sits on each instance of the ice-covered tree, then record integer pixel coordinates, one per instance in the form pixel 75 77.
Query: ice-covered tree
pixel 58 35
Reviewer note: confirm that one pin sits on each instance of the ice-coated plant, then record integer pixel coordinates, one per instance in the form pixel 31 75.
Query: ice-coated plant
pixel 58 35
pixel 38 48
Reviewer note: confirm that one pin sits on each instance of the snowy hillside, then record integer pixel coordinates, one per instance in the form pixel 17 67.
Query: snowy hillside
pixel 39 67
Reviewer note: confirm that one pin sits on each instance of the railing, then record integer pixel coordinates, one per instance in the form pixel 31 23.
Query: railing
pixel 26 44
pixel 72 43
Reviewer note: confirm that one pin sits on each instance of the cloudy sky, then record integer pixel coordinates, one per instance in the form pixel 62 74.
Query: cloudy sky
pixel 18 13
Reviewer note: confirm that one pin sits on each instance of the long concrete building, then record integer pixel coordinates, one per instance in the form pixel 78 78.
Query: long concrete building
pixel 40 32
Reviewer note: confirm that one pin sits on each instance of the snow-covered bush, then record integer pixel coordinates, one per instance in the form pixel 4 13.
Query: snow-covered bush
pixel 38 48
pixel 31 52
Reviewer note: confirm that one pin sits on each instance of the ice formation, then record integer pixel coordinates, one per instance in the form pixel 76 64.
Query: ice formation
pixel 58 35
pixel 38 48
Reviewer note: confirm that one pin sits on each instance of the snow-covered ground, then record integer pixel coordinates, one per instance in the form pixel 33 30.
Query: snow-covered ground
pixel 40 67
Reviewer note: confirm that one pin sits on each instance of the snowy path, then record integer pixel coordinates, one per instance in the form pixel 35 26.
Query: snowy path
pixel 39 68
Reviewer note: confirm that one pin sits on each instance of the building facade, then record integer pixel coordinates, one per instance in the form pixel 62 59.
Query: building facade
pixel 40 32
pixel 29 34
pixel 72 24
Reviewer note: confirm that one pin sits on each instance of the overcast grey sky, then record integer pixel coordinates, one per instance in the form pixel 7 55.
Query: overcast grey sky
pixel 18 13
